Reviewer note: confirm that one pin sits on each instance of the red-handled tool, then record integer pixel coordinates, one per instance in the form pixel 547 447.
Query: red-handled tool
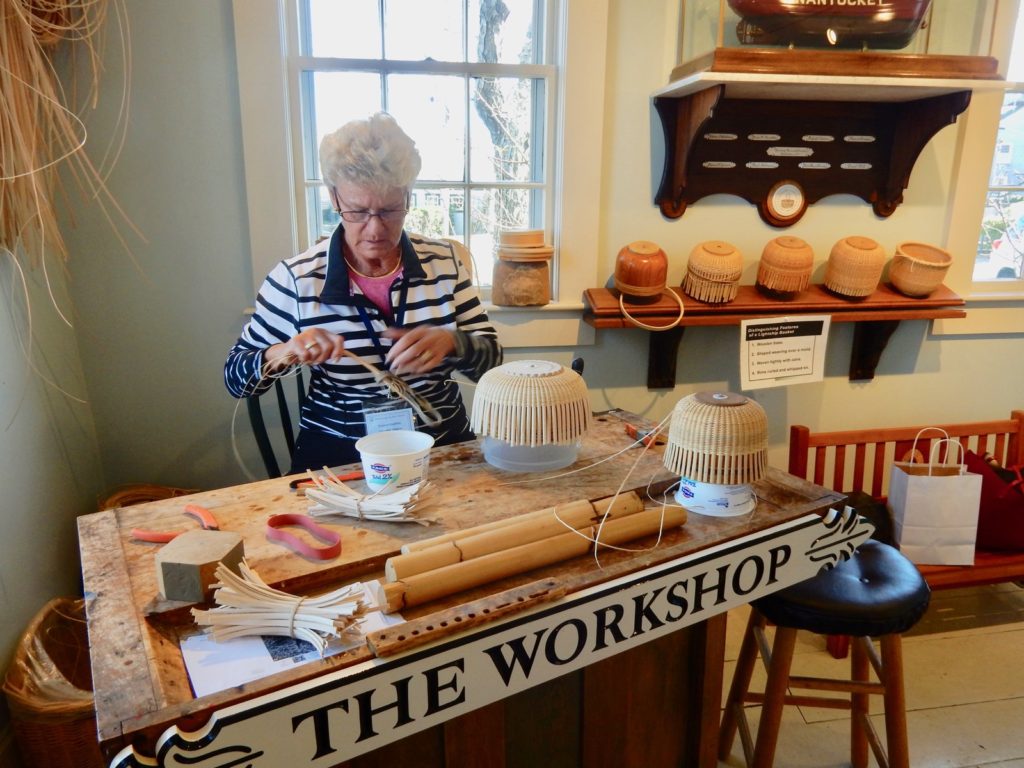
pixel 300 484
pixel 205 518
pixel 646 437
pixel 332 540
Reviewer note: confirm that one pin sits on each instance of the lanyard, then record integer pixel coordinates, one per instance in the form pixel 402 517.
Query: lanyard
pixel 399 321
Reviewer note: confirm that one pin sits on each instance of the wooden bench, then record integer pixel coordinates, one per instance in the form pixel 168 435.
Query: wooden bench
pixel 860 460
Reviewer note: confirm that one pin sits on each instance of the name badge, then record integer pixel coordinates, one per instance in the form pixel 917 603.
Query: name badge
pixel 387 415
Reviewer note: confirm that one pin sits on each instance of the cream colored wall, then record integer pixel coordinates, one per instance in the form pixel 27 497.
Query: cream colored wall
pixel 49 463
pixel 922 378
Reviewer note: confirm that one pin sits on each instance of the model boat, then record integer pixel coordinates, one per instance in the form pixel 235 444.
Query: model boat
pixel 889 24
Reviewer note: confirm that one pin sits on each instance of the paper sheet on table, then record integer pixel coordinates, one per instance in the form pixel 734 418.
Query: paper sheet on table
pixel 215 666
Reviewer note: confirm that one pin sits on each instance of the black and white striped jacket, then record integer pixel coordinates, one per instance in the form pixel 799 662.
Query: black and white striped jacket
pixel 313 289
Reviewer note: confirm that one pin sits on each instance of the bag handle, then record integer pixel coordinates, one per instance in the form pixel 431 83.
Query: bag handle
pixel 951 441
pixel 913 449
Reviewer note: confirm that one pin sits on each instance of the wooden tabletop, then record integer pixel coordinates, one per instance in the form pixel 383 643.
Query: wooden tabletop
pixel 139 677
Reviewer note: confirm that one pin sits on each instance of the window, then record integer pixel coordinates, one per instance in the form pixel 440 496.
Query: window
pixel 472 81
pixel 1001 240
pixel 277 184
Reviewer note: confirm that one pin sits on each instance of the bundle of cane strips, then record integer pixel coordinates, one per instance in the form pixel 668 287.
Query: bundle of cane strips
pixel 247 606
pixel 333 497
pixel 427 413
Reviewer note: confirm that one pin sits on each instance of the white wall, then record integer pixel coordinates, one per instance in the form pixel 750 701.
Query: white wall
pixel 156 325
pixel 921 378
pixel 49 462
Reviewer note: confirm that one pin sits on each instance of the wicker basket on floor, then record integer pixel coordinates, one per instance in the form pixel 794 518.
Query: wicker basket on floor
pixel 48 687
pixel 141 493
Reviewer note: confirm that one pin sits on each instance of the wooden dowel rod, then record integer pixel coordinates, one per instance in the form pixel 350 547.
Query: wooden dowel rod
pixel 625 503
pixel 451 579
pixel 522 529
pixel 412 634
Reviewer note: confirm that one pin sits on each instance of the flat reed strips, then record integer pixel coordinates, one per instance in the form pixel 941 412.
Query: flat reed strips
pixel 38 129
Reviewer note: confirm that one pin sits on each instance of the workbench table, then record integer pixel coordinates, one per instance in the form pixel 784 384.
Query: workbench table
pixel 574 664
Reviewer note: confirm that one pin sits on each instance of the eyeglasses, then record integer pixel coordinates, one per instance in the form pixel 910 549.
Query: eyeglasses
pixel 388 216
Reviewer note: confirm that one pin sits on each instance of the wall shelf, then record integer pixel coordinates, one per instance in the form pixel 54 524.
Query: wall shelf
pixel 876 317
pixel 745 122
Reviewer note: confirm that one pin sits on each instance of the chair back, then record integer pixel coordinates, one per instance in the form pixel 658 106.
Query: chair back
pixel 283 418
pixel 861 460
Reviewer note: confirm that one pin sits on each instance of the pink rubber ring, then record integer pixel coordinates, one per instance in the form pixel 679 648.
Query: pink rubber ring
pixel 294 543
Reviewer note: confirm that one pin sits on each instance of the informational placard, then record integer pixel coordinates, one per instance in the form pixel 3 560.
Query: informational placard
pixel 776 352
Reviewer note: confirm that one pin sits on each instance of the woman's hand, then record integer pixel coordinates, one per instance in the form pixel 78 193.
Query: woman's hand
pixel 311 347
pixel 419 349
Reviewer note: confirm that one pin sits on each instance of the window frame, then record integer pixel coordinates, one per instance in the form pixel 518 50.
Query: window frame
pixel 302 67
pixel 269 109
pixel 975 150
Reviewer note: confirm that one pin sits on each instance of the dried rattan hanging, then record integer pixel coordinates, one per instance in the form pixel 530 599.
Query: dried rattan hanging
pixel 531 403
pixel 719 438
pixel 713 272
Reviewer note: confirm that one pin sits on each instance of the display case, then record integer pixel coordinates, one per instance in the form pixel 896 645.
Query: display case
pixel 913 27
pixel 784 102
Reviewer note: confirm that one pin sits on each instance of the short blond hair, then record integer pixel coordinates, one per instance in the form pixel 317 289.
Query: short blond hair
pixel 373 153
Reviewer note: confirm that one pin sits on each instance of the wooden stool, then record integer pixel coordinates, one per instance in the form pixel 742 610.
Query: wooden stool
pixel 876 593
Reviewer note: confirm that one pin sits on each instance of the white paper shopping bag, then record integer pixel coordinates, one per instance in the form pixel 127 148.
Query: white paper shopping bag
pixel 935 509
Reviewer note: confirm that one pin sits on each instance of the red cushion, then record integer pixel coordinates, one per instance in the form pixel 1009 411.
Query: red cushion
pixel 1001 515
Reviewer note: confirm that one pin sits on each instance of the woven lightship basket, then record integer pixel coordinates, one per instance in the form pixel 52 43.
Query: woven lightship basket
pixel 713 272
pixel 786 265
pixel 917 269
pixel 719 438
pixel 855 267
pixel 531 402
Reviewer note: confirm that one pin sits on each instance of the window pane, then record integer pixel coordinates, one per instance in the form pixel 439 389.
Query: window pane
pixel 503 32
pixel 416 30
pixel 1008 165
pixel 504 113
pixel 1001 244
pixel 324 219
pixel 438 212
pixel 432 110
pixel 339 97
pixel 349 30
pixel 493 210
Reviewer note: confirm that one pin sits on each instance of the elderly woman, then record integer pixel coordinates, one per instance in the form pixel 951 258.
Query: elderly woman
pixel 399 302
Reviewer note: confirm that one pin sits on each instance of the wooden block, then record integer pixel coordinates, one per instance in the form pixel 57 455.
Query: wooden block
pixel 185 566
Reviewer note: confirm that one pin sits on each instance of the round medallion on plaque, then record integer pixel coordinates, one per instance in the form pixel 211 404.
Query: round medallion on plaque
pixel 785 203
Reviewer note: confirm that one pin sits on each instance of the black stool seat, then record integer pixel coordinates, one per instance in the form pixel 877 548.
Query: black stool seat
pixel 876 592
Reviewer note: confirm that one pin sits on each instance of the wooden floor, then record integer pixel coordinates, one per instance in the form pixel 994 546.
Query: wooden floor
pixel 964 680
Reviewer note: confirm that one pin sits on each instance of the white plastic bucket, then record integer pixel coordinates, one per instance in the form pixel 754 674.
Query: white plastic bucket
pixel 526 458
pixel 396 459
pixel 715 500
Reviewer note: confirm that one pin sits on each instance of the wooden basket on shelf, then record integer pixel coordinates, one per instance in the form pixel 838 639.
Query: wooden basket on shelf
pixel 917 269
pixel 641 274
pixel 786 265
pixel 713 272
pixel 855 267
